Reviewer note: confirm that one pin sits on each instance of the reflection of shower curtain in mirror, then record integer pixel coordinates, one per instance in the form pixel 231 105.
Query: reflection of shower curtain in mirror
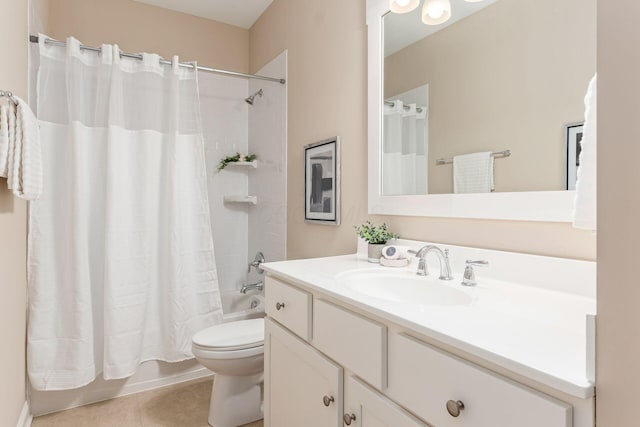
pixel 404 160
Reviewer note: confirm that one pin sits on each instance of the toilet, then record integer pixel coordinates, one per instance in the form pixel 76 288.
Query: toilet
pixel 234 351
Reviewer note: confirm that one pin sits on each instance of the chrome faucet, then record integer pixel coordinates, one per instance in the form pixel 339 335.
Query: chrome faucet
pixel 252 286
pixel 443 258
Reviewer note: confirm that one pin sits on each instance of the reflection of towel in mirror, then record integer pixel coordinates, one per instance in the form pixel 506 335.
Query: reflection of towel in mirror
pixel 584 211
pixel 473 173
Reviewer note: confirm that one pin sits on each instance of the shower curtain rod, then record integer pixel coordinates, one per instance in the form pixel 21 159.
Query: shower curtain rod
pixel 406 107
pixel 35 39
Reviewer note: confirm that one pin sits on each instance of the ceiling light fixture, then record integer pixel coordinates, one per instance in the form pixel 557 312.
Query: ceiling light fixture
pixel 434 12
pixel 403 6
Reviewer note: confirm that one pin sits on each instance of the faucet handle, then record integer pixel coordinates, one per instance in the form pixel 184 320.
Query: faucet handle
pixel 469 276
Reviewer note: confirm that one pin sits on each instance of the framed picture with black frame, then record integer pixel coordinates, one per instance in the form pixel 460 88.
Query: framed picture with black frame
pixel 322 182
pixel 572 148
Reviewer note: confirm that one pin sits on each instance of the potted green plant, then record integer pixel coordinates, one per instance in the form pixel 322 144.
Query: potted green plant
pixel 376 236
pixel 234 159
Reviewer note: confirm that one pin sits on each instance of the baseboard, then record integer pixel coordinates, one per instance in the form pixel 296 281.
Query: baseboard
pixel 60 401
pixel 163 382
pixel 25 416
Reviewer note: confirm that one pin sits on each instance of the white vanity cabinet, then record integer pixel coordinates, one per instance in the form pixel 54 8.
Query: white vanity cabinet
pixel 302 387
pixel 328 363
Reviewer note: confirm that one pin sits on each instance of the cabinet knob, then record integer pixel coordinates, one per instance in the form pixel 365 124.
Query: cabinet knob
pixel 347 418
pixel 327 400
pixel 279 306
pixel 455 407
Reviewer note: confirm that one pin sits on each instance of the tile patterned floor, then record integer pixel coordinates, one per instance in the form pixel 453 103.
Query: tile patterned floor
pixel 180 405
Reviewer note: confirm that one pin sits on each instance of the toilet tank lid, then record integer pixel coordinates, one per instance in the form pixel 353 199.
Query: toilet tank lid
pixel 232 335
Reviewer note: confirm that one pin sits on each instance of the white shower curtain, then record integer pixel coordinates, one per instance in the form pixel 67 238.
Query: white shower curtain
pixel 404 150
pixel 121 264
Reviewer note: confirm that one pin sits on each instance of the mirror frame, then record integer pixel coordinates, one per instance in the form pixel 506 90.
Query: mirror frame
pixel 549 206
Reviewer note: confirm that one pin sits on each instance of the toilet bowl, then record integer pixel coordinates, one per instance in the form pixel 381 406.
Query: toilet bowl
pixel 234 351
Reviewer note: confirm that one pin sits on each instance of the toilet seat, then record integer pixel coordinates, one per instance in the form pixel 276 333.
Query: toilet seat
pixel 207 353
pixel 243 338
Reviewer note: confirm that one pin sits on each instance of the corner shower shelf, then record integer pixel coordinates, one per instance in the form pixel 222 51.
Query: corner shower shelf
pixel 253 164
pixel 241 199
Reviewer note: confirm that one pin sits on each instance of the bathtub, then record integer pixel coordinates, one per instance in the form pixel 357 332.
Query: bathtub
pixel 237 306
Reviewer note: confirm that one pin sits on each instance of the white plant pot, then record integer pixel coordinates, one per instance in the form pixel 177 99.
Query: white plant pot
pixel 375 252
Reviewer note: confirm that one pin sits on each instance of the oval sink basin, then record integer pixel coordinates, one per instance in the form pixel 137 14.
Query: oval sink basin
pixel 403 287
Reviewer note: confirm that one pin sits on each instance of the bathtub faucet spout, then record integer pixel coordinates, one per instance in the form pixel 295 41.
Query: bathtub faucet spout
pixel 251 286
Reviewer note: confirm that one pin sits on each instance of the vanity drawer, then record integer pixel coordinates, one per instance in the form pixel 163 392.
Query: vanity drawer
pixel 351 340
pixel 424 379
pixel 290 306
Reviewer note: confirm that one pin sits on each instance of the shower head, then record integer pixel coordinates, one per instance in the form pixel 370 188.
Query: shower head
pixel 250 99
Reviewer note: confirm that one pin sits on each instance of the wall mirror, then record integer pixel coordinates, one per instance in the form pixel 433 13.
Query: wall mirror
pixel 499 83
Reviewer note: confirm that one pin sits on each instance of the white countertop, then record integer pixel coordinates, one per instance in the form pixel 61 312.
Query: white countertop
pixel 532 331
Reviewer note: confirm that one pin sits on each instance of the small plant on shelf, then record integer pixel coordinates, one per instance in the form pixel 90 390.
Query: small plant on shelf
pixel 375 235
pixel 236 158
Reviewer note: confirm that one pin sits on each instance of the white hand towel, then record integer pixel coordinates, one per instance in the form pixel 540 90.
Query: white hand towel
pixel 11 146
pixel 4 139
pixel 585 204
pixel 24 160
pixel 473 173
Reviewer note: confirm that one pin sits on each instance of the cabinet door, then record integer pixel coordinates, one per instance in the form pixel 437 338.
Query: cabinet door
pixel 302 387
pixel 364 407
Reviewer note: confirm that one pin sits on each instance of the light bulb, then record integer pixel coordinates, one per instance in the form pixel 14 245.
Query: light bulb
pixel 435 12
pixel 403 6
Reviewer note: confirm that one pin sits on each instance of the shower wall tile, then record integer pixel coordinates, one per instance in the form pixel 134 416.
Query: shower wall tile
pixel 267 139
pixel 224 123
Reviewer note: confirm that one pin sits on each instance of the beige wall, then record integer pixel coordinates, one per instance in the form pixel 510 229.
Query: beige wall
pixel 618 322
pixel 13 228
pixel 327 89
pixel 137 27
pixel 500 80
pixel 327 93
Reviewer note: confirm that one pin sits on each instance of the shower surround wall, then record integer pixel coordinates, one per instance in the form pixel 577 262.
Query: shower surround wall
pixel 267 139
pixel 224 124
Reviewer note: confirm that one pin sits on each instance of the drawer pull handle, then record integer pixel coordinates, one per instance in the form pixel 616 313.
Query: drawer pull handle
pixel 327 400
pixel 279 306
pixel 455 407
pixel 347 418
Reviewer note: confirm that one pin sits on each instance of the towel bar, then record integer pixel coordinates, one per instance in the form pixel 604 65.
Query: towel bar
pixel 505 153
pixel 9 95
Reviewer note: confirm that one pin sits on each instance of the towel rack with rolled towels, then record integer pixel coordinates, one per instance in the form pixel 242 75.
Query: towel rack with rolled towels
pixel 505 153
pixel 9 95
